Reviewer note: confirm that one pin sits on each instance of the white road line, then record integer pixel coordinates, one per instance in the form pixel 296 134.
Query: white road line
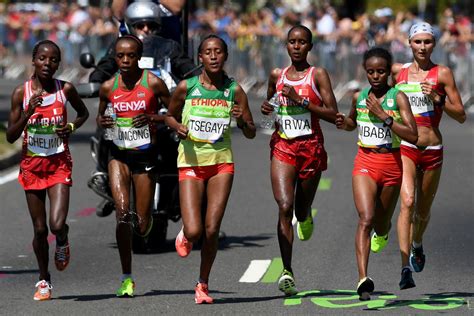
pixel 12 175
pixel 255 271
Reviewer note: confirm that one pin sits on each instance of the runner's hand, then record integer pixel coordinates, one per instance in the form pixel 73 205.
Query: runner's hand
pixel 237 112
pixel 341 121
pixel 427 89
pixel 374 106
pixel 182 131
pixel 35 101
pixel 63 131
pixel 140 120
pixel 289 92
pixel 266 108
pixel 106 121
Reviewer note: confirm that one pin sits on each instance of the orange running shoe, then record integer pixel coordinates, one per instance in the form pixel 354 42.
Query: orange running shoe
pixel 43 291
pixel 202 294
pixel 61 256
pixel 183 246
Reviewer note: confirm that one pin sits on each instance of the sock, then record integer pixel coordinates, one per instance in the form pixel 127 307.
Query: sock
pixel 417 245
pixel 406 267
pixel 125 276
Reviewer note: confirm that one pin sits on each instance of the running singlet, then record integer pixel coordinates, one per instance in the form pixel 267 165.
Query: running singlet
pixel 40 138
pixel 292 119
pixel 426 113
pixel 372 132
pixel 127 105
pixel 207 115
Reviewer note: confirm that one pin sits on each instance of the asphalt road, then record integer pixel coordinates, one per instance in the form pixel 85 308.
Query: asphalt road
pixel 325 267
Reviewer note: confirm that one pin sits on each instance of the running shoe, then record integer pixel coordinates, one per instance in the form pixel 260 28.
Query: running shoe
pixel 407 280
pixel 364 288
pixel 99 183
pixel 417 259
pixel 378 243
pixel 202 294
pixel 183 246
pixel 286 283
pixel 62 254
pixel 305 229
pixel 126 288
pixel 43 291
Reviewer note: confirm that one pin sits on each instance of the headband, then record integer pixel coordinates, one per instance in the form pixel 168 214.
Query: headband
pixel 420 28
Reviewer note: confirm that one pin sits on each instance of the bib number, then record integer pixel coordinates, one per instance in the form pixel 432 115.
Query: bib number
pixel 130 137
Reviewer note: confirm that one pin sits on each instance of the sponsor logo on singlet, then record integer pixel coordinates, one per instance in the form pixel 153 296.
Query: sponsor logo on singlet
pixel 196 93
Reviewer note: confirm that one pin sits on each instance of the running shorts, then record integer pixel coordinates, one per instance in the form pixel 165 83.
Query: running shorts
pixel 307 155
pixel 384 168
pixel 204 173
pixel 39 173
pixel 138 161
pixel 424 158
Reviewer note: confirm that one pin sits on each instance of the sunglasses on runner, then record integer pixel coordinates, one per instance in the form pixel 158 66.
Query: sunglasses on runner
pixel 149 25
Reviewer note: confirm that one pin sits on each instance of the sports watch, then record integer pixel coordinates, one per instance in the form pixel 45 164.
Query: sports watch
pixel 388 121
pixel 305 103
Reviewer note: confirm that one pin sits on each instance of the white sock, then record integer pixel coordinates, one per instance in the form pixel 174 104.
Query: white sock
pixel 417 245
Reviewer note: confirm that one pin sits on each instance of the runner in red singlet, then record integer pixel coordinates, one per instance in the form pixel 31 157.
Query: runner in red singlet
pixel 427 85
pixel 134 95
pixel 297 146
pixel 39 111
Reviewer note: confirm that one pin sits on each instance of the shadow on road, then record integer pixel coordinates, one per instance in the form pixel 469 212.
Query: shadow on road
pixel 233 300
pixel 243 241
pixel 15 272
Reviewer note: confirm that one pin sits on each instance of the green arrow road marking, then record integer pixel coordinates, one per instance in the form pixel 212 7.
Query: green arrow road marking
pixel 274 271
pixel 324 184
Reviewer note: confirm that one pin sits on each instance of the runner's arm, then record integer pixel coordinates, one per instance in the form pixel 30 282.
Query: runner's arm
pixel 18 118
pixel 241 112
pixel 348 123
pixel 328 111
pixel 453 106
pixel 173 116
pixel 266 108
pixel 406 130
pixel 78 105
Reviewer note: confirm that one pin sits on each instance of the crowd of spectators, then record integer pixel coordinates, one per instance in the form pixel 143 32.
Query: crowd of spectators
pixel 339 41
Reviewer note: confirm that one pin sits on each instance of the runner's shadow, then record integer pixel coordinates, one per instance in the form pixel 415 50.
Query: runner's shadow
pixel 179 292
pixel 243 241
pixel 87 298
pixel 234 300
pixel 15 272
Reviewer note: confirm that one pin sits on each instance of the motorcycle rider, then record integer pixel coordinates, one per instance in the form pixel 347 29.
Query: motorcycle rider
pixel 144 20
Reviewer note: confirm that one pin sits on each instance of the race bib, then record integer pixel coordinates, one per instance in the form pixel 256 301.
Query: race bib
pixel 374 134
pixel 294 121
pixel 43 141
pixel 419 102
pixel 130 137
pixel 207 129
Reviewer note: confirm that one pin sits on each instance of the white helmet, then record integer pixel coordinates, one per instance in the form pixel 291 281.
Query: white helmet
pixel 143 11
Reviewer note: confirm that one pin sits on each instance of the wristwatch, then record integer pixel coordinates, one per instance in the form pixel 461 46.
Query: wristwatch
pixel 305 103
pixel 388 121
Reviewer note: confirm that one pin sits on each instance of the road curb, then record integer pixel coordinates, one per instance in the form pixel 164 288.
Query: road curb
pixel 10 158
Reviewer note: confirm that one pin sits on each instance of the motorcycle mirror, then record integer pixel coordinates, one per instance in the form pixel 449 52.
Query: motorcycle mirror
pixel 88 90
pixel 87 60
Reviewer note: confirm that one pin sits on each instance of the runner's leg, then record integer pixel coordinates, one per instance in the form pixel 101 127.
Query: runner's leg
pixel 407 207
pixel 426 191
pixel 144 187
pixel 190 197
pixel 218 191
pixel 36 200
pixel 304 196
pixel 283 177
pixel 59 204
pixel 364 190
pixel 119 177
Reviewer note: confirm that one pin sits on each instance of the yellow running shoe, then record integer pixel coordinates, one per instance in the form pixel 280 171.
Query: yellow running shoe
pixel 286 283
pixel 305 229
pixel 378 243
pixel 126 289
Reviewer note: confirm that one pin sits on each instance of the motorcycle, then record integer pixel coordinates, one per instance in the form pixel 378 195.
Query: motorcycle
pixel 166 198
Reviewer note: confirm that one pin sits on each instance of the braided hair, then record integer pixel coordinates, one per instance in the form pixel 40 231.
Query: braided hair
pixel 45 42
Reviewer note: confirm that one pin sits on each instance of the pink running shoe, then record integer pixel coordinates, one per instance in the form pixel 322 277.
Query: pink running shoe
pixel 183 246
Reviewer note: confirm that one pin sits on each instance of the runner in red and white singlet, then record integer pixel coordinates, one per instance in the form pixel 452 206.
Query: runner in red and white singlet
pixel 39 113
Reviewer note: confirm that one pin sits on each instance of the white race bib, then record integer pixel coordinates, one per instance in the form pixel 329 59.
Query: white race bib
pixel 43 141
pixel 294 122
pixel 207 129
pixel 130 137
pixel 374 134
